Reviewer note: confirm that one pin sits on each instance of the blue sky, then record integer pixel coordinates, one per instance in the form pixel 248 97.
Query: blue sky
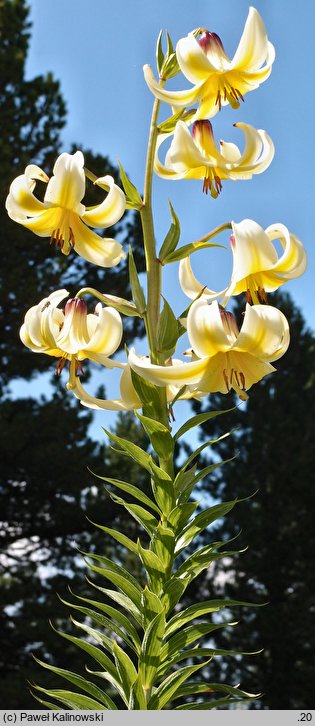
pixel 97 49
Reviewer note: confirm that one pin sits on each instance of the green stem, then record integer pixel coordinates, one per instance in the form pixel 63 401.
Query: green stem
pixel 213 233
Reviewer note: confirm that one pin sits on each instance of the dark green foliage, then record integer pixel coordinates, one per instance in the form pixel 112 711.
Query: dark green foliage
pixel 276 456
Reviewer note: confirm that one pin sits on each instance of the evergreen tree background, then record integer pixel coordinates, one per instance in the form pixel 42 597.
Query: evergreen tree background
pixel 46 490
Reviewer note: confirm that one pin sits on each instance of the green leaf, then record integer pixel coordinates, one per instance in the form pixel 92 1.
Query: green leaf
pixel 75 701
pixel 149 396
pixel 134 200
pixel 81 682
pixel 200 560
pixel 119 537
pixel 189 635
pixel 180 515
pixel 198 420
pixel 201 521
pixel 198 652
pixel 113 566
pixel 163 489
pixel 173 591
pixel 151 648
pixel 187 250
pixel 137 701
pixel 115 615
pixel 92 650
pixel 184 479
pixel 151 606
pixel 51 706
pixel 121 582
pixel 160 437
pixel 141 515
pixel 136 289
pixel 130 489
pixel 195 688
pixel 96 634
pixel 131 449
pixel 123 600
pixel 154 567
pixel 172 238
pixel 163 544
pixel 198 610
pixel 125 668
pixel 170 685
pixel 159 52
pixel 167 331
pixel 203 446
pixel 104 622
pixel 168 126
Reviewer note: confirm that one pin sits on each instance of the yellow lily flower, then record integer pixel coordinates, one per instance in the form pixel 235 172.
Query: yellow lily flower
pixel 226 357
pixel 196 156
pixel 62 216
pixel 129 399
pixel 217 79
pixel 257 266
pixel 73 334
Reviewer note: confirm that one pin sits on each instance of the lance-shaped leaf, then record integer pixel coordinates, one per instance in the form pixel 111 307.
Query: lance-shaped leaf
pixel 200 609
pixel 150 653
pixel 113 566
pixel 163 544
pixel 189 635
pixel 119 303
pixel 170 685
pixel 131 450
pixel 184 479
pixel 173 591
pixel 185 494
pixel 179 516
pixel 202 559
pixel 134 200
pixel 115 615
pixel 187 250
pixel 93 651
pixel 154 568
pixel 137 701
pixel 81 682
pixel 163 489
pixel 126 670
pixel 167 331
pixel 104 622
pixel 130 489
pixel 141 515
pixel 137 292
pixel 149 396
pixel 168 126
pixel 201 521
pixel 151 606
pixel 189 689
pixel 197 652
pixel 119 537
pixel 74 701
pixel 199 419
pixel 123 600
pixel 160 437
pixel 172 238
pixel 101 638
pixel 123 583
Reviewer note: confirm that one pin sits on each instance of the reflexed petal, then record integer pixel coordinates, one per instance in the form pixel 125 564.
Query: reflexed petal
pixel 100 251
pixel 110 210
pixel 179 99
pixel 254 48
pixel 21 201
pixel 293 261
pixel 107 334
pixel 66 188
pixel 191 286
pixel 186 373
pixel 265 333
pixel 259 149
pixel 192 60
pixel 183 153
pixel 205 329
pixel 230 152
pixel 127 390
pixel 75 386
pixel 44 224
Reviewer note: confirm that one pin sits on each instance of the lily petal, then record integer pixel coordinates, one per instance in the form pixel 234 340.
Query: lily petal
pixel 254 49
pixel 186 373
pixel 265 333
pixel 103 252
pixel 110 210
pixel 67 186
pixel 206 330
pixel 180 99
